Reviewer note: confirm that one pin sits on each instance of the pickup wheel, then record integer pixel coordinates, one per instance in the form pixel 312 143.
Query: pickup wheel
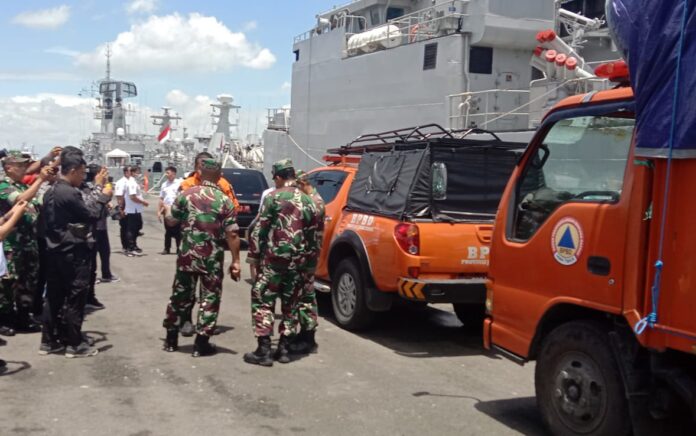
pixel 579 387
pixel 471 315
pixel 348 296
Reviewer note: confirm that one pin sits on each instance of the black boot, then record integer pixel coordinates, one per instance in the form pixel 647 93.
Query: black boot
pixel 281 353
pixel 201 347
pixel 262 355
pixel 171 344
pixel 24 322
pixel 304 343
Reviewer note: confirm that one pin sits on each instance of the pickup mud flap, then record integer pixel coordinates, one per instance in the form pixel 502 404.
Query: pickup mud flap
pixel 443 291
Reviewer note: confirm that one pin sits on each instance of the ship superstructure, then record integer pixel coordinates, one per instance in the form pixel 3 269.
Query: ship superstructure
pixel 376 65
pixel 116 145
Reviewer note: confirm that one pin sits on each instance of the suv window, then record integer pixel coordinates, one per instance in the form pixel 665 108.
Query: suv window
pixel 247 185
pixel 327 183
pixel 580 159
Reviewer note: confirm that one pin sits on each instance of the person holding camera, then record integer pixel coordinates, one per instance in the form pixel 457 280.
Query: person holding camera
pixel 91 192
pixel 69 242
pixel 21 249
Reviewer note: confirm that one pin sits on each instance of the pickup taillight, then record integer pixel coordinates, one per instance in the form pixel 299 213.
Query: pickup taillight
pixel 408 238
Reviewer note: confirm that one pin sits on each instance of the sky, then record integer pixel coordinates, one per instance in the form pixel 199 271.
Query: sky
pixel 180 54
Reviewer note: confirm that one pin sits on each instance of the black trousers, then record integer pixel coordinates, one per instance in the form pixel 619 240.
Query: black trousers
pixel 41 282
pixel 134 225
pixel 123 222
pixel 104 250
pixel 67 277
pixel 169 233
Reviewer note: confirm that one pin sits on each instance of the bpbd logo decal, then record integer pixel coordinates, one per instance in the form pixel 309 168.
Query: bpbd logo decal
pixel 567 241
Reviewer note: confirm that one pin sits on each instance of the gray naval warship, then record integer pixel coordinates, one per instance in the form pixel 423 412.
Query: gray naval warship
pixel 115 145
pixel 378 65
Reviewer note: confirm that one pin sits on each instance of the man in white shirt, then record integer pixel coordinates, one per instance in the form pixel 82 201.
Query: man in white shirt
pixel 119 190
pixel 168 193
pixel 134 203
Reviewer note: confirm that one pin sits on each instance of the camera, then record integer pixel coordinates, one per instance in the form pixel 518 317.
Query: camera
pixel 115 213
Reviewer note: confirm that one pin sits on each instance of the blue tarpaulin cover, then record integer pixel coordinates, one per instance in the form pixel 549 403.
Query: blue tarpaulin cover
pixel 648 32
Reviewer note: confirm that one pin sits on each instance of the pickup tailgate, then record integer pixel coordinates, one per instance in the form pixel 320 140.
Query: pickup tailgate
pixel 456 249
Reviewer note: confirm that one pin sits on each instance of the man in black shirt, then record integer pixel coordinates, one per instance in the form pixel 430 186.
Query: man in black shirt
pixel 69 242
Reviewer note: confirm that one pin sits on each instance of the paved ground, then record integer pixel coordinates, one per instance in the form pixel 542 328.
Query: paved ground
pixel 417 372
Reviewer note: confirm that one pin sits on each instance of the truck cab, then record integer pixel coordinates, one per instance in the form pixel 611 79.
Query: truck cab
pixel 571 273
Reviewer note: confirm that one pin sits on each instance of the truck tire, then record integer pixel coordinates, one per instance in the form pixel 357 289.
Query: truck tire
pixel 471 315
pixel 348 296
pixel 579 388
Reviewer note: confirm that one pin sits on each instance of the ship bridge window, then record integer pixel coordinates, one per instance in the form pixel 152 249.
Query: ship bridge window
pixel 481 60
pixel 374 16
pixel 393 13
pixel 430 56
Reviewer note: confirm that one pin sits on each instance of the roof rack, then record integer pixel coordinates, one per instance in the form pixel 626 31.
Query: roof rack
pixel 385 141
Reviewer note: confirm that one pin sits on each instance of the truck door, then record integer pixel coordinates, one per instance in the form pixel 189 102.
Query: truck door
pixel 329 184
pixel 567 218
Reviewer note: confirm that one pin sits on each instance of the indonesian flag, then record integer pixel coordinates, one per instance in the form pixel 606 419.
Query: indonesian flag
pixel 165 134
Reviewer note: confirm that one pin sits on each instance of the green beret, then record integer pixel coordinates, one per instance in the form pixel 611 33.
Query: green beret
pixel 210 164
pixel 282 164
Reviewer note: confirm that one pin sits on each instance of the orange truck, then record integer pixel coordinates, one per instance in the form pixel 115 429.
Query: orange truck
pixel 409 214
pixel 570 278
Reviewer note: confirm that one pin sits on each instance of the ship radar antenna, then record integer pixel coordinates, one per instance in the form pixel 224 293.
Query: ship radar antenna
pixel 108 61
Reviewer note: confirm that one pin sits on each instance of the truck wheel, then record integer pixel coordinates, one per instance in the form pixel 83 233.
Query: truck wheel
pixel 578 384
pixel 348 296
pixel 471 315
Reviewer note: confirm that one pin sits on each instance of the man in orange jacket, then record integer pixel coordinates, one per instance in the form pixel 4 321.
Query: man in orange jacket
pixel 194 179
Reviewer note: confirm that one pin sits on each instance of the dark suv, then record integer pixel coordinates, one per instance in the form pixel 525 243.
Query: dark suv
pixel 248 186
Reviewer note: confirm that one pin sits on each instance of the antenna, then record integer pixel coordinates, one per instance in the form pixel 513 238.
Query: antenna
pixel 108 61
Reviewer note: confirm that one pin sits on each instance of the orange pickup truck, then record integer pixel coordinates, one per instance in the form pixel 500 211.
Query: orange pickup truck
pixel 410 213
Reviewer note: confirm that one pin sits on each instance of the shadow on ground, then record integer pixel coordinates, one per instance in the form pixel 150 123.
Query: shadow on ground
pixel 13 367
pixel 418 331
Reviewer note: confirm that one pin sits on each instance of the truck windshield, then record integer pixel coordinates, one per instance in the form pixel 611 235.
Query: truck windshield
pixel 580 159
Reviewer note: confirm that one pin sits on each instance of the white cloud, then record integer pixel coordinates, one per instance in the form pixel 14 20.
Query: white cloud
pixel 249 26
pixel 45 120
pixel 33 75
pixel 62 51
pixel 285 87
pixel 141 6
pixel 174 43
pixel 44 18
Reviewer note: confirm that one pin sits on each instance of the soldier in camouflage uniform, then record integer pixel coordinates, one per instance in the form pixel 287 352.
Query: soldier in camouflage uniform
pixel 208 222
pixel 306 305
pixel 20 246
pixel 282 244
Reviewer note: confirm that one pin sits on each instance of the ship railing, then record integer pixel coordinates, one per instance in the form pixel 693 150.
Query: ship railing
pixel 493 109
pixel 278 119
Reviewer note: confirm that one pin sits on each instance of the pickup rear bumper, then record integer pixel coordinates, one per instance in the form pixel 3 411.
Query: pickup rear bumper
pixel 471 290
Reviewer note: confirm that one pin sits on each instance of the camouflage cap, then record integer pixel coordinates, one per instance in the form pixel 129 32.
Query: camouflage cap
pixel 210 164
pixel 282 164
pixel 15 157
pixel 302 176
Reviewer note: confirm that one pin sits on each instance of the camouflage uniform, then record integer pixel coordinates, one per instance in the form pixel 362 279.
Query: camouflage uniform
pixel 206 214
pixel 282 246
pixel 21 250
pixel 307 304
